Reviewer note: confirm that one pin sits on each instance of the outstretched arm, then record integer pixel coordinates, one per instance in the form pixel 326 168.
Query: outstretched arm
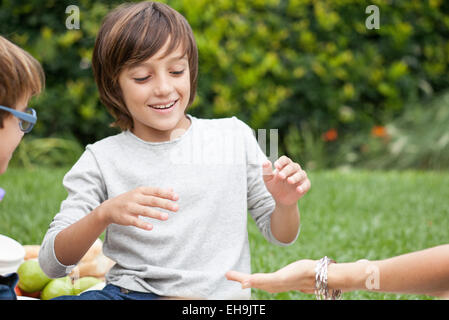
pixel 420 272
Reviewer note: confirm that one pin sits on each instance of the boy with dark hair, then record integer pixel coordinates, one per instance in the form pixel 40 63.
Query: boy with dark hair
pixel 174 212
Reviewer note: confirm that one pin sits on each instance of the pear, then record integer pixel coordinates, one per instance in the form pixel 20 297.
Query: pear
pixel 84 283
pixel 31 276
pixel 58 287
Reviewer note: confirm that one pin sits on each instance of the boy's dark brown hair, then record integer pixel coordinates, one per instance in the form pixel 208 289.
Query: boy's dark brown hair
pixel 21 76
pixel 131 34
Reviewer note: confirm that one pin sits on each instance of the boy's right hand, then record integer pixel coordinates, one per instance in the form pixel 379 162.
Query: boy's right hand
pixel 126 208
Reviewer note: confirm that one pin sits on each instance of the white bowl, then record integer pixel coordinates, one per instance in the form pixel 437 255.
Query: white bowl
pixel 26 298
pixel 12 255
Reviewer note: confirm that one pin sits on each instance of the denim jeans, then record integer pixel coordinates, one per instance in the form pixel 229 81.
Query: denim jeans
pixel 7 285
pixel 111 292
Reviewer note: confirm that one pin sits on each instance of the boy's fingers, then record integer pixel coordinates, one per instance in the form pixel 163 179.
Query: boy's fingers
pixel 267 168
pixel 304 187
pixel 139 223
pixel 152 213
pixel 299 176
pixel 289 169
pixel 153 201
pixel 139 210
pixel 282 162
pixel 159 192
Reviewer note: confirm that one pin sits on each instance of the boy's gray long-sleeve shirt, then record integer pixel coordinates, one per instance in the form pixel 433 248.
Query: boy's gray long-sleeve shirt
pixel 215 168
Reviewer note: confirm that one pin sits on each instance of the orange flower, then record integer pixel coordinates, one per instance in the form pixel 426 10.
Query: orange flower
pixel 330 135
pixel 379 132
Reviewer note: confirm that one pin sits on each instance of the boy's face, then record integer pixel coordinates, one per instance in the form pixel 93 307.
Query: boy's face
pixel 10 135
pixel 158 83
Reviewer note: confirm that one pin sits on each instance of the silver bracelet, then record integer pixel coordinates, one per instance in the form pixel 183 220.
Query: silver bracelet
pixel 321 289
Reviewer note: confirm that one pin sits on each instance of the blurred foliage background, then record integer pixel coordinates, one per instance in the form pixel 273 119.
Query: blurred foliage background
pixel 339 94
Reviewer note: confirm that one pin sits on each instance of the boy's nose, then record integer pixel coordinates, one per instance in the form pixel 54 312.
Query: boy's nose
pixel 162 87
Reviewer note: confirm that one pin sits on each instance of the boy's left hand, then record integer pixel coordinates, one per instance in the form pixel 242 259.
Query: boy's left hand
pixel 287 183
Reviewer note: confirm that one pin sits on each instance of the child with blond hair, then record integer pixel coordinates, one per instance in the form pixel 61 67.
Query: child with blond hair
pixel 21 77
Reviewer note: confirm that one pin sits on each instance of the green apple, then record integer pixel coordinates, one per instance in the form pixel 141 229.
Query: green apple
pixel 57 287
pixel 31 276
pixel 84 283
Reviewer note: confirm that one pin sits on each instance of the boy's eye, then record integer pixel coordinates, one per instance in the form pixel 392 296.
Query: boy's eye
pixel 147 77
pixel 141 79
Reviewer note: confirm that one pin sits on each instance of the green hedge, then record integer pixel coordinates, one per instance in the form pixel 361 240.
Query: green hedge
pixel 301 66
pixel 418 138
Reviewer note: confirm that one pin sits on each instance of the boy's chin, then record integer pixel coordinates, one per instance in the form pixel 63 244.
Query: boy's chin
pixel 168 126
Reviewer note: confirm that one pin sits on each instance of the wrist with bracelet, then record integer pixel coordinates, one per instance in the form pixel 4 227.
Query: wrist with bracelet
pixel 321 286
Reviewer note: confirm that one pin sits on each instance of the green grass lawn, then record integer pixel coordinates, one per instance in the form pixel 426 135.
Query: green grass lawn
pixel 346 216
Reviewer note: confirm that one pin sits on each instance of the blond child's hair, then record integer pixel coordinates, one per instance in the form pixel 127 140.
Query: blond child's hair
pixel 21 76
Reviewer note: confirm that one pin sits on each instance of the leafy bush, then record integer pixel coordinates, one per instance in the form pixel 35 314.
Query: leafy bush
pixel 48 152
pixel 301 66
pixel 418 138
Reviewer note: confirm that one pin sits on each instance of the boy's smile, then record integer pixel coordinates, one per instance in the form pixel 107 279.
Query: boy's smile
pixel 164 107
pixel 156 93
